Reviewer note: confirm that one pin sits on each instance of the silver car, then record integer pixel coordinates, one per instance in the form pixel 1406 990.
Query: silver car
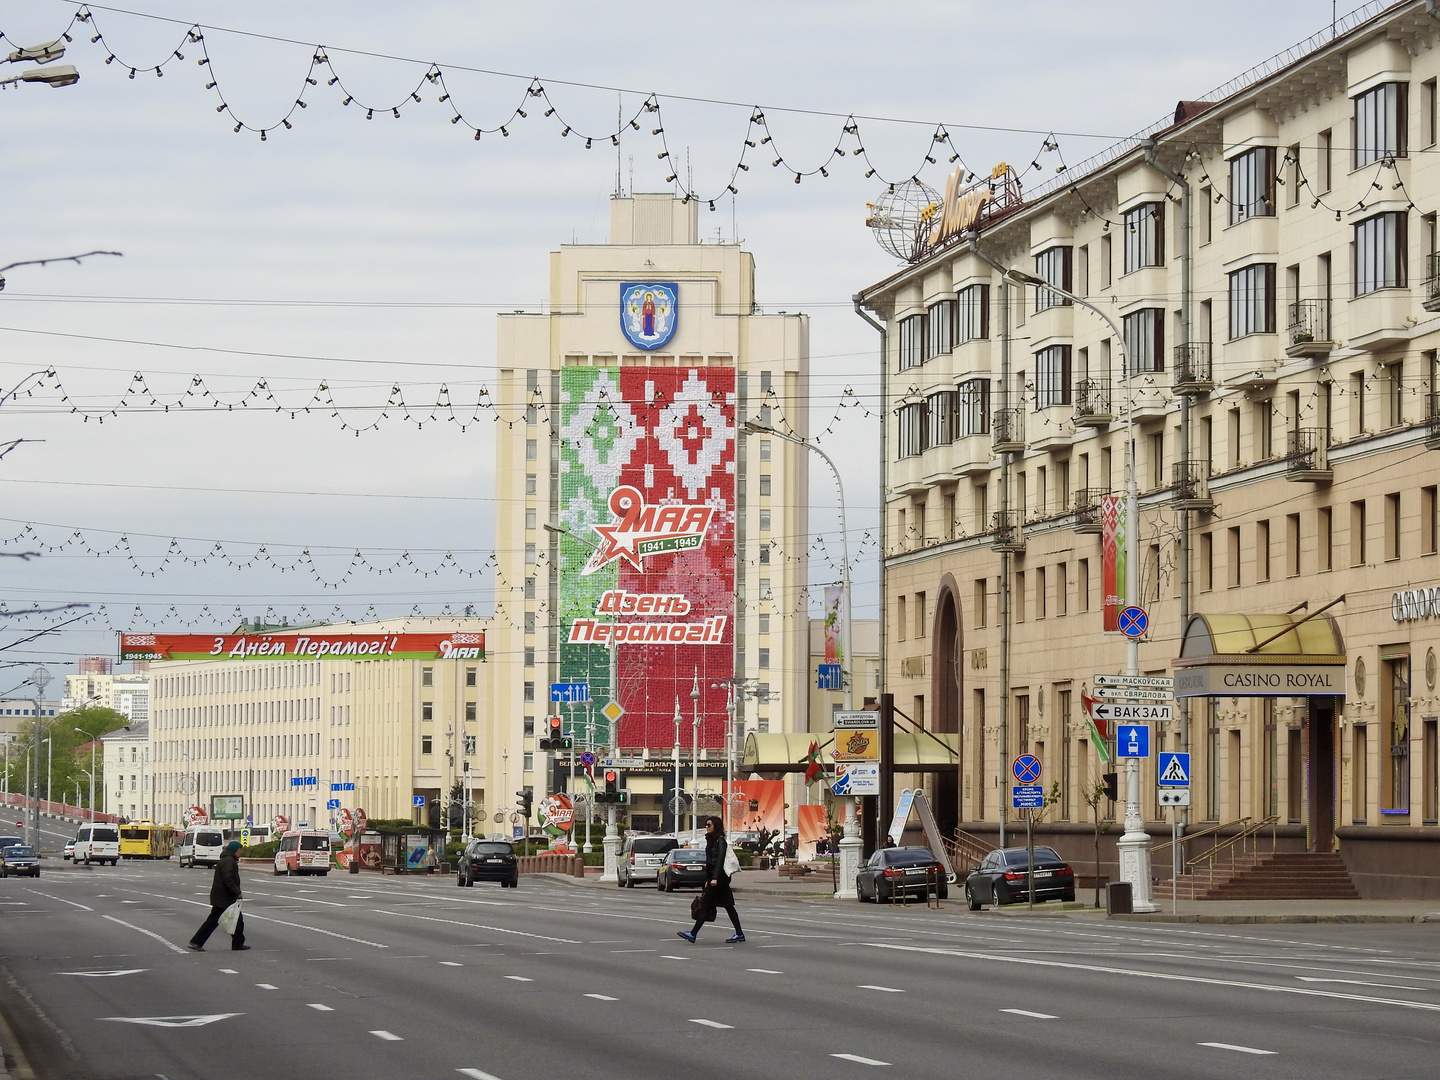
pixel 642 857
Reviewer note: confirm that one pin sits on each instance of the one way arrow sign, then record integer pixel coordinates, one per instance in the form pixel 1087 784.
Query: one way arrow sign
pixel 172 1021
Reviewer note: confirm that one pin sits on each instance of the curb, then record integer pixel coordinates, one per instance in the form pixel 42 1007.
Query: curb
pixel 1253 919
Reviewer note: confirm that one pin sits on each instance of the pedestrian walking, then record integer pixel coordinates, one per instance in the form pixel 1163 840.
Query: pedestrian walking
pixel 224 891
pixel 716 893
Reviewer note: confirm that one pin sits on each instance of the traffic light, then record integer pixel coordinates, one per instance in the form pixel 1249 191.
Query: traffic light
pixel 527 797
pixel 555 739
pixel 1112 785
pixel 612 785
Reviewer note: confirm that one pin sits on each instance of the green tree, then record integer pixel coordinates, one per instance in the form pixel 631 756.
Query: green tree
pixel 62 760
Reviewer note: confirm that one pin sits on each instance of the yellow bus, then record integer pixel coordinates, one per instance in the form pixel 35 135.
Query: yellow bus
pixel 146 840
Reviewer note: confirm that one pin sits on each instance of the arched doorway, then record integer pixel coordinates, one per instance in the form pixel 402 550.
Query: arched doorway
pixel 946 696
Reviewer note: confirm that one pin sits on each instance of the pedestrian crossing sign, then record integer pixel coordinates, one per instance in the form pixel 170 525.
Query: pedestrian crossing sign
pixel 1174 770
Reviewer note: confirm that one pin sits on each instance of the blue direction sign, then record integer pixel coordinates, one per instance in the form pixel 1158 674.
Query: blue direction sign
pixel 1027 797
pixel 1132 740
pixel 418 800
pixel 571 693
pixel 1134 622
pixel 1174 769
pixel 1026 768
pixel 828 677
pixel 342 787
pixel 332 804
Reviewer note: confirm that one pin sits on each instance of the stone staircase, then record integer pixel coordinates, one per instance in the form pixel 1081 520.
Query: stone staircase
pixel 1280 875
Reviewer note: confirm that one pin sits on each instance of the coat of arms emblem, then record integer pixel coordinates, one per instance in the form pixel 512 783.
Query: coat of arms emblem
pixel 648 313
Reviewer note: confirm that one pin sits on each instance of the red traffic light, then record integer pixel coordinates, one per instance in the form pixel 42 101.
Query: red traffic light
pixel 611 776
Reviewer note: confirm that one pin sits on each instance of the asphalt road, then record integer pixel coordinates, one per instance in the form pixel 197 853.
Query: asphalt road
pixel 359 977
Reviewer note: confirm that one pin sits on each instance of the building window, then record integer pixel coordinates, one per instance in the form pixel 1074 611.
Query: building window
pixel 1380 253
pixel 1325 538
pixel 973 407
pixel 912 341
pixel 764 520
pixel 972 314
pixel 1145 340
pixel 427 744
pixel 764 483
pixel 1357 533
pixel 528 727
pixel 532 450
pixel 1324 160
pixel 764 659
pixel 427 710
pixel 1252 185
pixel 528 761
pixel 529 553
pixel 1392 526
pixel 1145 236
pixel 1428 519
pixel 764 449
pixel 1054 266
pixel 529 692
pixel 939 328
pixel 922 615
pixel 912 429
pixel 469 745
pixel 1252 300
pixel 427 676
pixel 982 601
pixel 1052 376
pixel 1379 123
pixel 1262 551
pixel 940 419
pixel 472 711
pixel 765 555
pixel 529 656
pixel 529 485
pixel 472 676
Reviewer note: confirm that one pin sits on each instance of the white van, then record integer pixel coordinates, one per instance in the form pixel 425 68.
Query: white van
pixel 303 851
pixel 97 842
pixel 200 845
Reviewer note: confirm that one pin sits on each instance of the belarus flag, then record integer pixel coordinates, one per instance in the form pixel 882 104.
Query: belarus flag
pixel 1098 733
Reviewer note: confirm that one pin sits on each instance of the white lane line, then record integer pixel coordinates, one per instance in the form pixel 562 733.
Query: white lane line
pixel 765 971
pixel 601 997
pixel 1239 1049
pixel 712 1024
pixel 388 1036
pixel 519 978
pixel 148 933
pixel 267 986
pixel 320 1008
pixel 633 950
pixel 305 899
pixel 451 963
pixel 1032 1015
pixel 47 896
pixel 882 989
pixel 317 930
pixel 476 1074
pixel 665 956
pixel 475 926
pixel 859 1060
pixel 228 971
pixel 1357 982
pixel 1164 976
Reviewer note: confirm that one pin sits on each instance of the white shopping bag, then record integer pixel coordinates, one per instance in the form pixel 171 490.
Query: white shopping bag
pixel 230 918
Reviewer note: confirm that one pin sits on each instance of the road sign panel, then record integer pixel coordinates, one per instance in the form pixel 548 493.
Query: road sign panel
pixel 1134 622
pixel 1135 693
pixel 1026 797
pixel 1029 789
pixel 1119 714
pixel 1174 770
pixel 1132 740
pixel 1027 768
pixel 571 692
pixel 828 677
pixel 1175 796
pixel 417 800
pixel 332 804
pixel 1157 682
pixel 612 711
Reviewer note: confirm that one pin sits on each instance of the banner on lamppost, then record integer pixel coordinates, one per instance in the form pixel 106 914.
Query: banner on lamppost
pixel 1112 559
pixel 834 632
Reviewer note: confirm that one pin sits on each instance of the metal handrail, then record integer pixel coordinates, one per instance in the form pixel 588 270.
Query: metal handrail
pixel 1242 837
pixel 1197 835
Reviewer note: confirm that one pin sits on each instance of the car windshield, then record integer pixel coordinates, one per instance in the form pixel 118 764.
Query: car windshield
pixel 314 843
pixel 492 848
pixel 10 841
pixel 105 836
pixel 208 839
pixel 909 856
pixel 20 849
pixel 1042 855
pixel 654 845
pixel 687 855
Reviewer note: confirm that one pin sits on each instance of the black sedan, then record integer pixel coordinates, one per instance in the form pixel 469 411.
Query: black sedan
pixel 682 866
pixel 1001 878
pixel 488 860
pixel 901 871
pixel 19 859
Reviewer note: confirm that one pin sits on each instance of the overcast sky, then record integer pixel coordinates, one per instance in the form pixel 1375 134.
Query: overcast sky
pixel 372 253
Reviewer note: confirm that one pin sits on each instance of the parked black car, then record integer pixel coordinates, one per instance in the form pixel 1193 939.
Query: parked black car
pixel 901 871
pixel 682 866
pixel 1001 878
pixel 20 860
pixel 488 860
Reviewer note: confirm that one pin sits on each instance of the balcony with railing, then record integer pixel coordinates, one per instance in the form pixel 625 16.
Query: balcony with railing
pixel 1093 407
pixel 1006 533
pixel 1307 458
pixel 1432 421
pixel 1007 430
pixel 1193 373
pixel 1432 282
pixel 1309 330
pixel 1086 510
pixel 1192 486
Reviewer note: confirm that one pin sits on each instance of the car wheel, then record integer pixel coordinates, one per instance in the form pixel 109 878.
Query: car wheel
pixel 1002 896
pixel 660 885
pixel 1068 896
pixel 515 881
pixel 469 881
pixel 970 901
pixel 460 881
pixel 944 892
pixel 629 882
pixel 278 871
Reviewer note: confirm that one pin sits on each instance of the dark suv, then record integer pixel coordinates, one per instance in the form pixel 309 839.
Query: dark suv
pixel 488 860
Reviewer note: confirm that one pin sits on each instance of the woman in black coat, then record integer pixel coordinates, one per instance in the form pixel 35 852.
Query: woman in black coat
pixel 716 893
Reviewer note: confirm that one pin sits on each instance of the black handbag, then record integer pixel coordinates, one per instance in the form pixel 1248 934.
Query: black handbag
pixel 701 908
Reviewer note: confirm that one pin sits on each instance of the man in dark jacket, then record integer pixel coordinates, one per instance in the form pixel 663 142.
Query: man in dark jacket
pixel 224 891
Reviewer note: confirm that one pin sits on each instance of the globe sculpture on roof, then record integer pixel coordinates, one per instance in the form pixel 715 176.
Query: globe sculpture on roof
pixel 899 219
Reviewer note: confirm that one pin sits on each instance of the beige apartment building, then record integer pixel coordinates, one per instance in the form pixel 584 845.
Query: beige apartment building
pixel 395 729
pixel 634 382
pixel 1269 257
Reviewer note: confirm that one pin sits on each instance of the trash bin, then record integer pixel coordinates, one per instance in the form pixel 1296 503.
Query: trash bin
pixel 1118 898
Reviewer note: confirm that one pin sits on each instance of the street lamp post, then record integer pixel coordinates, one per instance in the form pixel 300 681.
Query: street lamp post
pixel 850 842
pixel 1134 845
pixel 39 679
pixel 695 753
pixel 93 741
pixel 676 803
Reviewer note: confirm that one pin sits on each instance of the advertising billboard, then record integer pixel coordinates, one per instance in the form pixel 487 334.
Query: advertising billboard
pixel 647 559
pixel 456 646
pixel 227 807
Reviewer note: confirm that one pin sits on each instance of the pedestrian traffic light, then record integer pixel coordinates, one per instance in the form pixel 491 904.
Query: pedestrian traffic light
pixel 527 797
pixel 1112 785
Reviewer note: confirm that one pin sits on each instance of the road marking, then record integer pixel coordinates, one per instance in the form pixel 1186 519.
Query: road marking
pixel 320 1008
pixel 1240 1049
pixel 666 956
pixel 859 1060
pixel 148 933
pixel 475 926
pixel 1357 982
pixel 765 971
pixel 267 986
pixel 103 974
pixel 451 963
pixel 882 989
pixel 317 930
pixel 362 898
pixel 476 1074
pixel 228 971
pixel 388 1036
pixel 1165 976
pixel 712 1024
pixel 519 978
pixel 1032 1015
pixel 633 950
pixel 172 1021
pixel 47 896
pixel 601 997
pixel 305 899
